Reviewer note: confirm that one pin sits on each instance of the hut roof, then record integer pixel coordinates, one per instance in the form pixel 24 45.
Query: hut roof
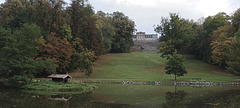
pixel 63 76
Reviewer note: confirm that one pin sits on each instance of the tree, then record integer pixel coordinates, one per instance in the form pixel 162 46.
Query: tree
pixel 17 62
pixel 41 15
pixel 82 58
pixel 57 49
pixel 66 32
pixel 10 9
pixel 233 62
pixel 84 61
pixel 236 19
pixel 4 33
pixel 222 39
pixel 122 40
pixel 171 29
pixel 167 48
pixel 212 23
pixel 175 66
pixel 168 26
pixel 176 32
pixel 59 17
pixel 84 25
pixel 205 35
pixel 21 18
pixel 105 31
pixel 220 49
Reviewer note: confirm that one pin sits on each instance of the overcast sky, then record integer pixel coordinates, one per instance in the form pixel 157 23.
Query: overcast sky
pixel 147 13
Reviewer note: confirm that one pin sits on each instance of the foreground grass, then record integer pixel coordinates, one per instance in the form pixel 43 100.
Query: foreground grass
pixel 58 87
pixel 142 66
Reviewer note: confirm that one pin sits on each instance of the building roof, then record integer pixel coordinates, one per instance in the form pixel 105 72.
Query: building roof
pixel 140 33
pixel 63 76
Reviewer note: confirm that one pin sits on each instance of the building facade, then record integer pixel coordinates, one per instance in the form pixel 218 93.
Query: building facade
pixel 143 36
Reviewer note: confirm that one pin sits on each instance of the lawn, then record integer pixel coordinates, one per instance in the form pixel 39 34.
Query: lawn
pixel 58 87
pixel 142 66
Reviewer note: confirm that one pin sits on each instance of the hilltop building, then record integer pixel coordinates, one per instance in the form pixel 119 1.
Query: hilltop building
pixel 143 36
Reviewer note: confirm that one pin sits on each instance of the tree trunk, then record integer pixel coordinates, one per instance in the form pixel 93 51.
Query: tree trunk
pixel 175 77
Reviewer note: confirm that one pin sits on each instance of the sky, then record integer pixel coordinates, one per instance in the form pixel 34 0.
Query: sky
pixel 148 13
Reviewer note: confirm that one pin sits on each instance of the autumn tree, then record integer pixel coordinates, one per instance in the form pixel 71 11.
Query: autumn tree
pixel 175 65
pixel 222 39
pixel 56 49
pixel 220 49
pixel 17 62
pixel 210 24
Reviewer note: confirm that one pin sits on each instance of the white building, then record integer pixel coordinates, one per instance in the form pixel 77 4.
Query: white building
pixel 143 36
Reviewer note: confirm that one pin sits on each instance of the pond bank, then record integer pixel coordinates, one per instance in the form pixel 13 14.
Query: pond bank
pixel 162 83
pixel 59 87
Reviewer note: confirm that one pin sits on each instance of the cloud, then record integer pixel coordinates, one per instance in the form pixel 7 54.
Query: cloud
pixel 145 3
pixel 147 13
pixel 212 7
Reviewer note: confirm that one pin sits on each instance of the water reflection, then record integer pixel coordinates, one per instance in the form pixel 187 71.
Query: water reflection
pixel 219 98
pixel 175 99
pixel 18 99
pixel 129 96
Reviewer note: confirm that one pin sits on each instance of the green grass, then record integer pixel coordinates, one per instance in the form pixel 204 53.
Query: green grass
pixel 58 87
pixel 142 66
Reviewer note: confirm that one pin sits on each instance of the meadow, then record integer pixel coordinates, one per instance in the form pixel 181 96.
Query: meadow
pixel 143 66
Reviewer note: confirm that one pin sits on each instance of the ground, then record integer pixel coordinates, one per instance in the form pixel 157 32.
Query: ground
pixel 143 66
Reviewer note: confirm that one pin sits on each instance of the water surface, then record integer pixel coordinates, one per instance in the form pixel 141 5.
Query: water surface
pixel 126 96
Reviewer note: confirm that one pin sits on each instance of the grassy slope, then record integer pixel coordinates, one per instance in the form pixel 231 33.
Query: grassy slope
pixel 141 66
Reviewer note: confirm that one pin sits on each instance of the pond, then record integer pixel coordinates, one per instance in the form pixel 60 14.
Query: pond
pixel 127 96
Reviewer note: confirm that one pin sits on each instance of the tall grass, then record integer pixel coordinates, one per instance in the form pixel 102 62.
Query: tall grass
pixel 58 86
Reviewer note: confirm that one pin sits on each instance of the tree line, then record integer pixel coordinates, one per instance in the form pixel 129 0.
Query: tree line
pixel 215 39
pixel 41 37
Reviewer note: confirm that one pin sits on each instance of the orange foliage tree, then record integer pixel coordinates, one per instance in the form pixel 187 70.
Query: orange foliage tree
pixel 222 39
pixel 57 49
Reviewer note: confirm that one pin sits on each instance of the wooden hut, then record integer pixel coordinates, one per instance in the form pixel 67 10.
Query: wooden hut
pixel 60 77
